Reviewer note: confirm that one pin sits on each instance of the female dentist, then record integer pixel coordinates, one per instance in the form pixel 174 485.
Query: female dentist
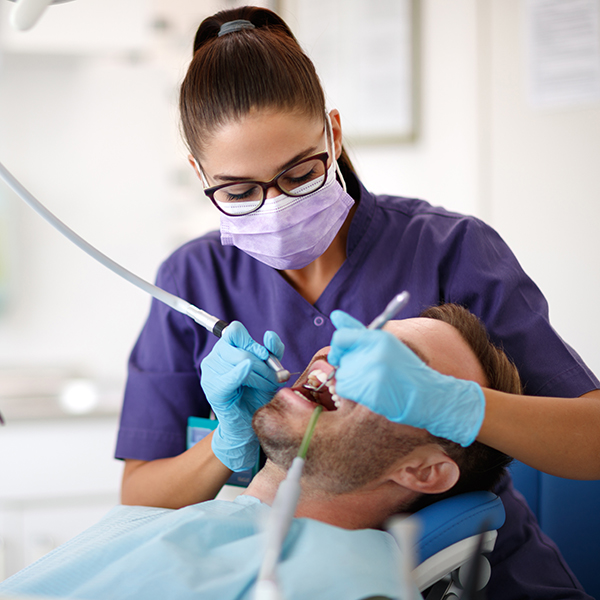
pixel 299 237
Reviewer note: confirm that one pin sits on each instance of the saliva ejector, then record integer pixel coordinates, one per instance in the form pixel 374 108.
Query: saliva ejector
pixel 212 324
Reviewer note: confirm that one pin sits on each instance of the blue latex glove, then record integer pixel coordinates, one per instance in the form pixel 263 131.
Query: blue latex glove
pixel 380 372
pixel 237 382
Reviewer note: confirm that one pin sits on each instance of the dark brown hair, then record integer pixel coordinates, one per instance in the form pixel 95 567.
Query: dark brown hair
pixel 481 467
pixel 245 70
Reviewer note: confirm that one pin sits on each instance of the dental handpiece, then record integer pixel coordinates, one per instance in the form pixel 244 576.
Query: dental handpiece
pixel 212 324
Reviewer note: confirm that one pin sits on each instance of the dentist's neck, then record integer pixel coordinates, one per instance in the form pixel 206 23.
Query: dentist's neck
pixel 311 281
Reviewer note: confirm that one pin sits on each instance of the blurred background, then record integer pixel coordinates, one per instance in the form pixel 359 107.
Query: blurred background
pixel 498 115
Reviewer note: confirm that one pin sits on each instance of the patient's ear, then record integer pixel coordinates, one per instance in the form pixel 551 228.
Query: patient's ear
pixel 427 470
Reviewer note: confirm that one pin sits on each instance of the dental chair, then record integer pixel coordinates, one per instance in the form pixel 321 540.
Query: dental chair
pixel 449 534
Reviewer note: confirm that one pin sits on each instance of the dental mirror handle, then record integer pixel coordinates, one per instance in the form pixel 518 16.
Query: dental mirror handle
pixel 396 304
pixel 212 324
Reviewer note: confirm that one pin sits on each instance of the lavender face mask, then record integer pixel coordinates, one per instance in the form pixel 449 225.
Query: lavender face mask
pixel 290 233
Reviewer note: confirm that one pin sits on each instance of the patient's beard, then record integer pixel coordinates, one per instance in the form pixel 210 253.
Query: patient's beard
pixel 279 442
pixel 340 459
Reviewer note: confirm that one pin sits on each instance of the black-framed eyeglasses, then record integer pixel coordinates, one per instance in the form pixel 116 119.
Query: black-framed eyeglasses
pixel 244 197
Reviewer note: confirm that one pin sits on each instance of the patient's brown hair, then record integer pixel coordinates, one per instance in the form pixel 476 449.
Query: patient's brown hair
pixel 481 467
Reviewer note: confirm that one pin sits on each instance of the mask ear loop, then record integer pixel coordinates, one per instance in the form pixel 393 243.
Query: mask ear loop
pixel 335 162
pixel 201 173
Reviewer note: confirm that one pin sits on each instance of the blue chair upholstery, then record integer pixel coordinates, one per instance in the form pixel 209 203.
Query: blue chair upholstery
pixel 568 511
pixel 454 519
pixel 448 534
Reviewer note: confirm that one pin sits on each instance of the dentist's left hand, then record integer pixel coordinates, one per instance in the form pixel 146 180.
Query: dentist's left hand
pixel 380 372
pixel 237 382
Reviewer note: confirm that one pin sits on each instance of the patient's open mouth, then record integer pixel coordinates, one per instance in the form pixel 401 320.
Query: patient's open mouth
pixel 326 397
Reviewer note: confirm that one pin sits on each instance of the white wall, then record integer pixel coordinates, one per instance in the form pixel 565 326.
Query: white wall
pixel 76 140
pixel 441 166
pixel 545 185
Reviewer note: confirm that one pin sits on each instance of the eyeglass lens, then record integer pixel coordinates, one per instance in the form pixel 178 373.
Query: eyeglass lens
pixel 243 198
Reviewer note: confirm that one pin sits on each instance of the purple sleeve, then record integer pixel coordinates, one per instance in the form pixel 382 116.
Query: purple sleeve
pixel 163 385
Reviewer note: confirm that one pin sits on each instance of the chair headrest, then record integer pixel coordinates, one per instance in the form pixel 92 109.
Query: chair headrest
pixel 454 519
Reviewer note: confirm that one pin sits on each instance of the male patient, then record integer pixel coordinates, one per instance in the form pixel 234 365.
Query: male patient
pixel 360 469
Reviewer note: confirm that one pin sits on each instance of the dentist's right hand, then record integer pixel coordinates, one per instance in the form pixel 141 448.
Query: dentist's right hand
pixel 237 382
pixel 379 371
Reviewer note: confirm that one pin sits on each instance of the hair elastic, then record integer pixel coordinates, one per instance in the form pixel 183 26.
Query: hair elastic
pixel 329 135
pixel 236 25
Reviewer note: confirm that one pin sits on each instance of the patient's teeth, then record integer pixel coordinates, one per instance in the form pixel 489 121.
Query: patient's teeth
pixel 301 395
pixel 313 380
pixel 320 375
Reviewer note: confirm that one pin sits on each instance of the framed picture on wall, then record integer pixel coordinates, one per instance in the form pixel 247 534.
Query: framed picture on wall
pixel 365 52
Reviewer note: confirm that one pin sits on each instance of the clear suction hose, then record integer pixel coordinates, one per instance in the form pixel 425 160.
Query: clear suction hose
pixel 212 324
pixel 176 303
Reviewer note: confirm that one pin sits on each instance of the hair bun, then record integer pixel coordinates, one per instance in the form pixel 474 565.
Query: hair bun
pixel 258 17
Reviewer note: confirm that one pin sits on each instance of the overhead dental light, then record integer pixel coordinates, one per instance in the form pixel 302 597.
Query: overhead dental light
pixel 26 13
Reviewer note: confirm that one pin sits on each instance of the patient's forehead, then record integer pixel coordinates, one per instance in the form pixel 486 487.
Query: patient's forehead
pixel 439 344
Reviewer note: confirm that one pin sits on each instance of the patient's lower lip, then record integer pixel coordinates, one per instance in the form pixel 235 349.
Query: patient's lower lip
pixel 301 395
pixel 324 398
pixel 290 394
pixel 293 393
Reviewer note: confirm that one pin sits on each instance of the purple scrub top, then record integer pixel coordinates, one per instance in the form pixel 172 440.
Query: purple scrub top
pixel 394 244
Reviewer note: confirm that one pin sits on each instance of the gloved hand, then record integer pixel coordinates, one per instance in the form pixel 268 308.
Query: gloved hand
pixel 380 372
pixel 237 382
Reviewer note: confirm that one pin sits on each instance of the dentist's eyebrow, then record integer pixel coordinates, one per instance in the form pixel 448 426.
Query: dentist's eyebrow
pixel 233 178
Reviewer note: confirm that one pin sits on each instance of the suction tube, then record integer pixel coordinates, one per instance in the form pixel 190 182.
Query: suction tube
pixel 202 318
pixel 281 516
pixel 212 324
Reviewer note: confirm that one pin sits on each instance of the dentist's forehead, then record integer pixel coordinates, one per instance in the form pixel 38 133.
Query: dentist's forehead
pixel 261 143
